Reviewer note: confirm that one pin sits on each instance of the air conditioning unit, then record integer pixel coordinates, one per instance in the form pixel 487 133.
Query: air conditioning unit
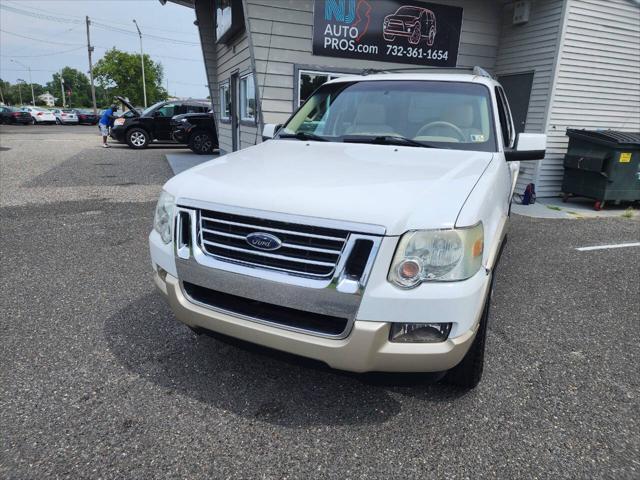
pixel 521 12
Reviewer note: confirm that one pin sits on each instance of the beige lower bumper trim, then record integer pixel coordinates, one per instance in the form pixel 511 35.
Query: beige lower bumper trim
pixel 366 349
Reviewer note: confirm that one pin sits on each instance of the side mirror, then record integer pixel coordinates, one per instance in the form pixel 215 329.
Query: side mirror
pixel 269 131
pixel 157 113
pixel 529 146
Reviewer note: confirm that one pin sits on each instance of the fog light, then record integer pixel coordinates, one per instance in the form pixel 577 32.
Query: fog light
pixel 419 332
pixel 162 273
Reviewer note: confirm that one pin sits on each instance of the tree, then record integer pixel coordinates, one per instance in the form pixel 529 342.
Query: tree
pixel 76 83
pixel 120 73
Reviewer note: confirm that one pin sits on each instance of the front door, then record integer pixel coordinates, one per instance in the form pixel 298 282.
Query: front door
pixel 162 121
pixel 235 111
pixel 518 90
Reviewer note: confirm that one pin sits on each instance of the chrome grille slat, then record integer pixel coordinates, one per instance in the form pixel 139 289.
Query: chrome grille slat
pixel 284 244
pixel 266 254
pixel 306 249
pixel 271 229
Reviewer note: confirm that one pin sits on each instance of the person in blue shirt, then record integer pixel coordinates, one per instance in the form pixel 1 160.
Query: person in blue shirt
pixel 106 121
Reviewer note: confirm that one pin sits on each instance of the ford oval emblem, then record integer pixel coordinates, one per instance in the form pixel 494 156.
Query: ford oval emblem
pixel 264 241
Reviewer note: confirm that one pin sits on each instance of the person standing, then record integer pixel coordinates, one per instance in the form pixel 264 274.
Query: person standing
pixel 106 121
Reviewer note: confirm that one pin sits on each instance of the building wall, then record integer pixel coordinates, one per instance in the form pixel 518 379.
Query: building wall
pixel 221 61
pixel 281 33
pixel 532 47
pixel 597 82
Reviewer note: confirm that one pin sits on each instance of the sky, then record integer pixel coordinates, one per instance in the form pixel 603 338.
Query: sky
pixel 58 38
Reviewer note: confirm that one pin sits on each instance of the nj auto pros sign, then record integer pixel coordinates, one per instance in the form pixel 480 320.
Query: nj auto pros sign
pixel 388 30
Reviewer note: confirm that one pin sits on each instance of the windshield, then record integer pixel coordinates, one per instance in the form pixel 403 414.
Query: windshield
pixel 151 108
pixel 413 11
pixel 455 115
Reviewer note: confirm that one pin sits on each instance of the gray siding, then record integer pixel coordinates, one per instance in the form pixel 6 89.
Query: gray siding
pixel 597 82
pixel 282 31
pixel 526 48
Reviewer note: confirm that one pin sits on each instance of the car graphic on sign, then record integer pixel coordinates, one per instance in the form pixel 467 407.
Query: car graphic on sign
pixel 415 23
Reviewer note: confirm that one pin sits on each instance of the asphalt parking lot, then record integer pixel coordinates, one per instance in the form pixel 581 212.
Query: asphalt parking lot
pixel 98 380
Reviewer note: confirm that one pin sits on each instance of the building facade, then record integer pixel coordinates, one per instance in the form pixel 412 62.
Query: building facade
pixel 563 63
pixel 48 99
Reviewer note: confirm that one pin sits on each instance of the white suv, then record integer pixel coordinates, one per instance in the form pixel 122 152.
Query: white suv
pixel 364 234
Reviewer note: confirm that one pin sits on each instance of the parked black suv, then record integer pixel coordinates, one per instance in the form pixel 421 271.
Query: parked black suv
pixel 197 130
pixel 154 123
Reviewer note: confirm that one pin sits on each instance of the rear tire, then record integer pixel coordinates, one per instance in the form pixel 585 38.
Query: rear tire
pixel 137 138
pixel 201 142
pixel 58 122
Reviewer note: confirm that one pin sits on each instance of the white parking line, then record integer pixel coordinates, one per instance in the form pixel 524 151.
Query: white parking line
pixel 604 247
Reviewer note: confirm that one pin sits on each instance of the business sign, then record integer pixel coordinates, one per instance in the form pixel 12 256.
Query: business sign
pixel 401 31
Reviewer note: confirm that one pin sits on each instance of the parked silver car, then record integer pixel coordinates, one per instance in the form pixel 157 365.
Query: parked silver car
pixel 65 115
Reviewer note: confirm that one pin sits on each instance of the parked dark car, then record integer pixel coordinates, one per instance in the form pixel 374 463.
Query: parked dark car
pixel 197 130
pixel 86 116
pixel 13 115
pixel 415 23
pixel 153 124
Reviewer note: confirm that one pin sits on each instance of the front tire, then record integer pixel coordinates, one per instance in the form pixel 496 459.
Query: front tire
pixel 201 142
pixel 388 37
pixel 58 122
pixel 468 373
pixel 416 35
pixel 137 138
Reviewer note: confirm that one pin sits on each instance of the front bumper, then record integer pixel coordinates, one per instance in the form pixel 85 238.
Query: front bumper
pixel 366 349
pixel 117 133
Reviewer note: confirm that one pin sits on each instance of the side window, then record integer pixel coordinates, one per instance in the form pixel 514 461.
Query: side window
pixel 166 111
pixel 225 102
pixel 308 81
pixel 247 98
pixel 180 109
pixel 504 114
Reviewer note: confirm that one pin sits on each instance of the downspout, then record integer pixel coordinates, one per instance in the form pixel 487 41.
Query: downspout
pixel 554 74
pixel 259 116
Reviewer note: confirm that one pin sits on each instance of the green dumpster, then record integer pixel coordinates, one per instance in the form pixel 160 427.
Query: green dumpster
pixel 602 165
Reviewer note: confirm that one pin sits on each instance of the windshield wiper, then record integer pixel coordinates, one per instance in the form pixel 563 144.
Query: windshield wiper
pixel 385 140
pixel 303 136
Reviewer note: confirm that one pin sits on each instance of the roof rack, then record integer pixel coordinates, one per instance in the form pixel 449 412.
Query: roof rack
pixel 477 71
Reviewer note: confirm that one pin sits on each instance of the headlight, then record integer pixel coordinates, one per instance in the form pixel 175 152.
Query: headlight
pixel 184 120
pixel 118 121
pixel 437 256
pixel 163 220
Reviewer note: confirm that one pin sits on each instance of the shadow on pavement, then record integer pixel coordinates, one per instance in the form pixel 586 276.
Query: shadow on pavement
pixel 252 381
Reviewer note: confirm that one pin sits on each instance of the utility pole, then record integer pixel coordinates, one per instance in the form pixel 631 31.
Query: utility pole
pixel 93 88
pixel 20 92
pixel 1 96
pixel 144 83
pixel 62 90
pixel 33 97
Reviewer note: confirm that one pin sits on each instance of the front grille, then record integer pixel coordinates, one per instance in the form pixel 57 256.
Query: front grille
pixel 267 312
pixel 306 250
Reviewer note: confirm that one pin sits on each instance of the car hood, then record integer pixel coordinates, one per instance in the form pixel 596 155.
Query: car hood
pixel 129 106
pixel 400 188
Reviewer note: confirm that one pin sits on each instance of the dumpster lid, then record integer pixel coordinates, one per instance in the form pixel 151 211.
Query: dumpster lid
pixel 612 138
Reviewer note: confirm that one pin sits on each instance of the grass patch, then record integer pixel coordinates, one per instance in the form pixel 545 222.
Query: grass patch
pixel 628 213
pixel 553 207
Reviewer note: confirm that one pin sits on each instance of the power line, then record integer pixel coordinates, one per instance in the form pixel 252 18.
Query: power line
pixel 38 39
pixel 48 15
pixel 43 54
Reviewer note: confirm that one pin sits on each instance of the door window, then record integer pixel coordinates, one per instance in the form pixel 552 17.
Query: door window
pixel 166 111
pixel 506 124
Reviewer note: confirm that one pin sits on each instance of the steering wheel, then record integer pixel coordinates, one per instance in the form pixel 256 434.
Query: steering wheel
pixel 459 133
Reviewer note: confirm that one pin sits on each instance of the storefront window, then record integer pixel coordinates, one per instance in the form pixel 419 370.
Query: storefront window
pixel 247 98
pixel 310 80
pixel 225 102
